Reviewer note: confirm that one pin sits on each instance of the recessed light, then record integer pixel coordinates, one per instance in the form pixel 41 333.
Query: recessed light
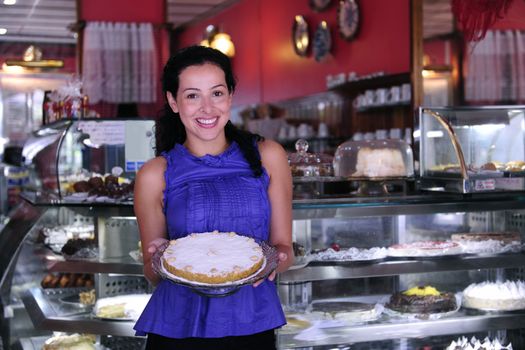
pixel 3 31
pixel 9 2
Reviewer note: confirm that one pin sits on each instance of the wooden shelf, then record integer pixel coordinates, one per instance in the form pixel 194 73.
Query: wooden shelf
pixel 358 86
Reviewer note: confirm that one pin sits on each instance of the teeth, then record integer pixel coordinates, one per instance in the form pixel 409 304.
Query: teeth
pixel 207 121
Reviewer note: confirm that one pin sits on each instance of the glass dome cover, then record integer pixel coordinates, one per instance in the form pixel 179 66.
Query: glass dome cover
pixel 374 159
pixel 303 163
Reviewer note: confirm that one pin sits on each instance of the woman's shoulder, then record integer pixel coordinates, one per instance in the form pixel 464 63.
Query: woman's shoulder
pixel 272 154
pixel 153 169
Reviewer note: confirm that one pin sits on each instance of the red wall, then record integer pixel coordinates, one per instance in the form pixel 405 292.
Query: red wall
pixel 267 68
pixel 123 11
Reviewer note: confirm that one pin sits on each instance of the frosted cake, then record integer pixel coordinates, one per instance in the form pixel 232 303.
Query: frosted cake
pixel 213 257
pixel 495 296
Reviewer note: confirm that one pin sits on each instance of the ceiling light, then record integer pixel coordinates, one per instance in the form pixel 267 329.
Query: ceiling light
pixel 219 41
pixel 3 31
pixel 9 2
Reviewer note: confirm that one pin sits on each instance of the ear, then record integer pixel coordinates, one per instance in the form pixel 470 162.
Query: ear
pixel 172 102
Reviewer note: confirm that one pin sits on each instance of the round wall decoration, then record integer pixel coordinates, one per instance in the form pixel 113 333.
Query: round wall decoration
pixel 322 43
pixel 348 18
pixel 319 5
pixel 300 36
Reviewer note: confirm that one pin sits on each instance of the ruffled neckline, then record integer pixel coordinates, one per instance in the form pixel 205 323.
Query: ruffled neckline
pixel 209 159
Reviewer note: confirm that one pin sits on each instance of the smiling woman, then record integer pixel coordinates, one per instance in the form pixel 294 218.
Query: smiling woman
pixel 210 176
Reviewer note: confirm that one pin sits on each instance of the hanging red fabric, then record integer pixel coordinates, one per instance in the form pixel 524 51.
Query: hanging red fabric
pixel 477 16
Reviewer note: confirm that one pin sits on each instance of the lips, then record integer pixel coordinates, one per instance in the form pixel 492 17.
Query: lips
pixel 207 122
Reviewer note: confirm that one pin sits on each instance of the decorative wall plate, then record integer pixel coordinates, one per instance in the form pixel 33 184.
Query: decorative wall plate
pixel 300 36
pixel 319 5
pixel 322 43
pixel 348 18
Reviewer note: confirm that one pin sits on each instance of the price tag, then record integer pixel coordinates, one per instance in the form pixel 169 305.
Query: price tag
pixel 485 185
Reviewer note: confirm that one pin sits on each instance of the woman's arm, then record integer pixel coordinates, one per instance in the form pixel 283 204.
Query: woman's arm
pixel 275 161
pixel 148 204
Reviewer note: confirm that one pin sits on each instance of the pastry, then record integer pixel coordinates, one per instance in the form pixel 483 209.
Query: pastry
pixel 464 344
pixel 422 300
pixel 488 242
pixel 70 342
pixel 345 311
pixel 382 162
pixel 424 249
pixel 213 257
pixel 498 296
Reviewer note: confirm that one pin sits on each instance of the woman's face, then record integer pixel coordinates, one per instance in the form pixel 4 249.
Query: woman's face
pixel 203 102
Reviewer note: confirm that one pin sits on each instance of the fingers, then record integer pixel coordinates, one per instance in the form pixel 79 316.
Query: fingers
pixel 256 284
pixel 155 244
pixel 272 275
pixel 283 256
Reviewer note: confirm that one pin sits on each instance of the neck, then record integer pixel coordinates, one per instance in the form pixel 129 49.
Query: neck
pixel 201 148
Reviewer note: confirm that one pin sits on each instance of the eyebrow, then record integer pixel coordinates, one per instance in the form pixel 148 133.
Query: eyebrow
pixel 195 89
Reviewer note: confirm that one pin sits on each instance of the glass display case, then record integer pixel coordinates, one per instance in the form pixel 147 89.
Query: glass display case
pixel 88 160
pixel 371 261
pixel 374 159
pixel 338 294
pixel 472 149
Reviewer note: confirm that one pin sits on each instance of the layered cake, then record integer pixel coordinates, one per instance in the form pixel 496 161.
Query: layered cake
pixel 213 257
pixel 496 296
pixel 424 249
pixel 345 311
pixel 379 162
pixel 474 344
pixel 422 300
pixel 488 242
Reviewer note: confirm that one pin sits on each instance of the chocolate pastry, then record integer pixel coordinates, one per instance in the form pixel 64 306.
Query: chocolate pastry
pixel 96 182
pixel 81 186
pixel 422 304
pixel 74 245
pixel 111 179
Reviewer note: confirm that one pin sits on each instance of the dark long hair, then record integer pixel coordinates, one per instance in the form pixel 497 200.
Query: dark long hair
pixel 169 129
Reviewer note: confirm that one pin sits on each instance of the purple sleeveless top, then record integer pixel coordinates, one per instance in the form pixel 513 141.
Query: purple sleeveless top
pixel 204 194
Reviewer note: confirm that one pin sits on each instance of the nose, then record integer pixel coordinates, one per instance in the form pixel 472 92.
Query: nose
pixel 206 105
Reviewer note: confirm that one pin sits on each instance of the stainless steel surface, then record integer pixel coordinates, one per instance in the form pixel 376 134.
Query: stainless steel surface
pixel 460 324
pixel 403 205
pixel 394 267
pixel 44 315
pixel 122 266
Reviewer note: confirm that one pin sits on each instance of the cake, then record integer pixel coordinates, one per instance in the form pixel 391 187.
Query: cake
pixel 474 344
pixel 213 257
pixel 379 162
pixel 422 300
pixel 345 311
pixel 495 296
pixel 424 249
pixel 488 242
pixel 70 342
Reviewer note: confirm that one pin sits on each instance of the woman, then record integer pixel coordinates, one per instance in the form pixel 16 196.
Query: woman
pixel 209 175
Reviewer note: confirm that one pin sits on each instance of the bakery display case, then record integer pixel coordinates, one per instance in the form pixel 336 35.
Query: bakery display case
pixel 472 149
pixel 71 263
pixel 411 272
pixel 71 257
pixel 88 160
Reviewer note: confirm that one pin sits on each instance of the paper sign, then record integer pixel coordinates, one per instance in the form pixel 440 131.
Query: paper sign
pixel 106 133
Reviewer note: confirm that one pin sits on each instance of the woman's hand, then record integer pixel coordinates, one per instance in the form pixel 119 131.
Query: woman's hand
pixel 283 257
pixel 155 245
